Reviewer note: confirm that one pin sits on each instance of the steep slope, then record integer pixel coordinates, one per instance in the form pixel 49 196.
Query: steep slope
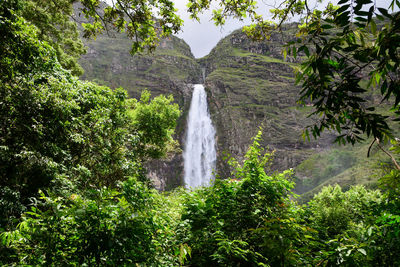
pixel 345 166
pixel 108 61
pixel 170 70
pixel 251 86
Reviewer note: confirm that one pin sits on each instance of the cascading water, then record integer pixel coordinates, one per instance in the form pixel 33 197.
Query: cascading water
pixel 199 155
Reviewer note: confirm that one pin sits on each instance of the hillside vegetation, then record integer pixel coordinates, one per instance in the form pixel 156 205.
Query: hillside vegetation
pixel 250 85
pixel 169 70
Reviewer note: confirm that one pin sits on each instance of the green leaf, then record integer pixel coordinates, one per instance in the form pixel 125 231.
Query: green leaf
pixel 306 51
pixel 385 12
pixel 362 251
pixel 342 9
pixel 327 26
pixel 373 27
pixel 370 231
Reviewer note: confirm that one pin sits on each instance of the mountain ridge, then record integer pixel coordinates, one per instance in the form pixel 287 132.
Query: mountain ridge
pixel 249 85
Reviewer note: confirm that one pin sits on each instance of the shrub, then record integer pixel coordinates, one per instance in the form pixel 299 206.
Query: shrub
pixel 227 222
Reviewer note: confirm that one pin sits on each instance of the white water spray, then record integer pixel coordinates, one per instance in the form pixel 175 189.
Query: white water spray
pixel 200 155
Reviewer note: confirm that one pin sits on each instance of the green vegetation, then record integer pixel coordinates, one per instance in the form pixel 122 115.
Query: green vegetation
pixel 250 219
pixel 74 190
pixel 249 86
pixel 249 81
pixel 145 23
pixel 54 25
pixel 345 166
pixel 62 138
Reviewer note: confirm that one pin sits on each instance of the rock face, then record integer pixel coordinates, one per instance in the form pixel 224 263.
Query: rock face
pixel 170 70
pixel 251 86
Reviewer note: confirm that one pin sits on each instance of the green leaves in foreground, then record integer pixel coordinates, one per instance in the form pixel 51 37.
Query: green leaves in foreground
pixel 225 220
pixel 105 229
pixel 249 222
pixel 58 131
pixel 346 58
pixel 145 22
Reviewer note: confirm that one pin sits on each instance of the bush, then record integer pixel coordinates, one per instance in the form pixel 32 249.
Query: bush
pixel 227 221
pixel 103 227
pixel 334 211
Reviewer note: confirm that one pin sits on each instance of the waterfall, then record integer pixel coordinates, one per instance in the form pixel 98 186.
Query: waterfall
pixel 199 155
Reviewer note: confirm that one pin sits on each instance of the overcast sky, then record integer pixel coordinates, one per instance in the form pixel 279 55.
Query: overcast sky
pixel 203 36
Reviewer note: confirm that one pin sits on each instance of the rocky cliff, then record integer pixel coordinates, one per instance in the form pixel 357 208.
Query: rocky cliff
pixel 171 69
pixel 252 86
pixel 249 85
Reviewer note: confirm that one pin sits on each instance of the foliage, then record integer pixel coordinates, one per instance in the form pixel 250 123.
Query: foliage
pixel 388 238
pixel 127 225
pixel 355 228
pixel 252 221
pixel 81 146
pixel 11 207
pixel 107 228
pixel 154 123
pixel 54 126
pixel 386 234
pixel 333 211
pixel 333 74
pixel 55 26
pixel 144 22
pixel 391 173
pixel 72 138
pixel 231 222
pixel 21 51
pixel 168 207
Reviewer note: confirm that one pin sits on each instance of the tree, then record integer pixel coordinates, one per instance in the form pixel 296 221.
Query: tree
pixel 55 128
pixel 54 23
pixel 145 22
pixel 332 77
pixel 243 221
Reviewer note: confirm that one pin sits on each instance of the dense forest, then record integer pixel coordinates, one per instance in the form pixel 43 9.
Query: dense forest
pixel 73 154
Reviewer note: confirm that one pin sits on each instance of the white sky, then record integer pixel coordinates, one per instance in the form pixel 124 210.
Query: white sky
pixel 203 36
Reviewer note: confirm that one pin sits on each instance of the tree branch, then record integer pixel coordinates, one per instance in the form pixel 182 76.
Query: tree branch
pixel 387 153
